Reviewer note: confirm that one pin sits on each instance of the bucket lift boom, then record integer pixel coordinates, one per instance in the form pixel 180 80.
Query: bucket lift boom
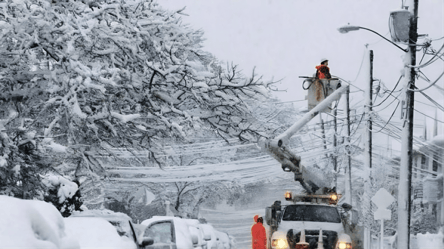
pixel 290 162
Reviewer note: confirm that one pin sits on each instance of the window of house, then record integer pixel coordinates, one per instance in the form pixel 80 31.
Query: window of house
pixel 435 163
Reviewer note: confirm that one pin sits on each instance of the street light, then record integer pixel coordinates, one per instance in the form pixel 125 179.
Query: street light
pixel 347 28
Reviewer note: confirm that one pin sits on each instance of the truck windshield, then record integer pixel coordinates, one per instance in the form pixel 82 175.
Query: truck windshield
pixel 311 213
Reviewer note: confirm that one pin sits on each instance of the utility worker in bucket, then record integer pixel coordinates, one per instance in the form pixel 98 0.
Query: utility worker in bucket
pixel 323 71
pixel 258 234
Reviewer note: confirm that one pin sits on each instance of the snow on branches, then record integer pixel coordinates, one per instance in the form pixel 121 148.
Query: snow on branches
pixel 115 74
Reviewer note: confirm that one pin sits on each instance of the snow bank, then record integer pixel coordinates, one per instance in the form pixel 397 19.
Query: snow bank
pixel 32 224
pixel 96 233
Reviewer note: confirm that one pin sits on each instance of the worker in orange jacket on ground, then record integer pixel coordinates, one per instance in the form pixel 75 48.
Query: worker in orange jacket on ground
pixel 258 234
pixel 323 71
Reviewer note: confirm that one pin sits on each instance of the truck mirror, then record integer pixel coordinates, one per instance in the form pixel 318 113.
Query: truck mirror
pixel 278 215
pixel 268 215
pixel 347 207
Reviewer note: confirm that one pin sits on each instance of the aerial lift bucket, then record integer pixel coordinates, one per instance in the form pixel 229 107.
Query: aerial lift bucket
pixel 318 90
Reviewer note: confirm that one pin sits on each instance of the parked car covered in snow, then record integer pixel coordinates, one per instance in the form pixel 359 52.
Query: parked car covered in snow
pixel 119 220
pixel 175 232
pixel 215 239
pixel 223 240
pixel 95 232
pixel 172 232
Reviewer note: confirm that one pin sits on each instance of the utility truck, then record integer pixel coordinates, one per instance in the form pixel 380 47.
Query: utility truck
pixel 313 219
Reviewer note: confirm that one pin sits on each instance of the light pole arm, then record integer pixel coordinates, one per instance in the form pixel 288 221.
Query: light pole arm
pixel 403 49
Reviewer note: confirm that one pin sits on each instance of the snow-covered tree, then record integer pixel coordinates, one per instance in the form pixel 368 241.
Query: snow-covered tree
pixel 90 76
pixel 190 196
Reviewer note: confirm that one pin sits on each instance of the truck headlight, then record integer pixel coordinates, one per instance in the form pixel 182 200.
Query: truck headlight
pixel 344 245
pixel 279 243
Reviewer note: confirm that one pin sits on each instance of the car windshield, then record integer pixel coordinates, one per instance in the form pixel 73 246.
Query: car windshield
pixel 311 213
pixel 160 232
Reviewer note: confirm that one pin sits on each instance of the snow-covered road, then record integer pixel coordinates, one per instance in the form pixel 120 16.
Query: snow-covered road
pixel 237 221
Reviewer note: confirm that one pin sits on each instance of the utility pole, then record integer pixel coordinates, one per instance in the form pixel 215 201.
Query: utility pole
pixel 405 174
pixel 348 186
pixel 369 112
pixel 368 157
pixel 332 156
pixel 335 142
pixel 323 135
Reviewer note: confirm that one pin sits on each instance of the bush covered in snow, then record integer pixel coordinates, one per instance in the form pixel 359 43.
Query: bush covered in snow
pixel 63 194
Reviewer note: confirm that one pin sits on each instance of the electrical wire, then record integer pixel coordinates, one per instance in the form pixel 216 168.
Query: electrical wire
pixel 395 98
pixel 360 67
pixel 391 116
pixel 429 116
pixel 347 82
pixel 430 105
pixel 420 90
pixel 357 127
pixel 432 60
pixel 437 39
pixel 433 101
pixel 389 93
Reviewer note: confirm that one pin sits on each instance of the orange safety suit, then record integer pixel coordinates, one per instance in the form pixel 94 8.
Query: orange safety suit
pixel 258 234
pixel 323 72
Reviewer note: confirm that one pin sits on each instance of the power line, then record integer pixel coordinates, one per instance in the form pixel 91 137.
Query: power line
pixel 389 93
pixel 433 101
pixel 348 82
pixel 388 119
pixel 420 90
pixel 429 116
pixel 433 59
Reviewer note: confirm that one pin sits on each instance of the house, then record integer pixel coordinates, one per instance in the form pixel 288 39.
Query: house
pixel 427 176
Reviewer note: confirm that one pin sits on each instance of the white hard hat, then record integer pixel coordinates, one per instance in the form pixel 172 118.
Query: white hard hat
pixel 324 59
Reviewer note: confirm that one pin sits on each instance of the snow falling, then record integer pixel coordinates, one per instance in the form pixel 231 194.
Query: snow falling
pixel 174 123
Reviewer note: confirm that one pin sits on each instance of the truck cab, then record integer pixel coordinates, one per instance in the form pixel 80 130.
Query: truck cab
pixel 308 221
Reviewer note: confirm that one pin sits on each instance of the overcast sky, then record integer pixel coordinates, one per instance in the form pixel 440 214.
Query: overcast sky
pixel 285 39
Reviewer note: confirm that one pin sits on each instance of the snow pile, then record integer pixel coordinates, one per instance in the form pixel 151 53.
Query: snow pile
pixel 32 224
pixel 96 233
